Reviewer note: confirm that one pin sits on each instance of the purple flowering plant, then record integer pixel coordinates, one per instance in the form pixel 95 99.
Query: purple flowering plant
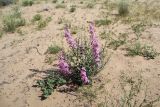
pixel 84 58
pixel 77 65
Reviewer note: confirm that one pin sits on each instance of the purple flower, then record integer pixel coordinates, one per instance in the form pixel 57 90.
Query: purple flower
pixel 70 39
pixel 95 45
pixel 83 75
pixel 63 65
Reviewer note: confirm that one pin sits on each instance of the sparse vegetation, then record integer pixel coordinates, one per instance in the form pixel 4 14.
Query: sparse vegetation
pixel 136 49
pixel 138 29
pixel 20 32
pixel 102 22
pixel 149 52
pixel 48 19
pixel 110 5
pixel 54 49
pixel 88 93
pixel 135 84
pixel 103 35
pixel 72 8
pixel 64 21
pixel 43 23
pixel 54 1
pixel 13 21
pixel 132 87
pixel 6 2
pixel 146 51
pixel 129 99
pixel 123 7
pixel 90 5
pixel 143 11
pixel 1 34
pixel 36 17
pixel 27 2
pixel 114 44
pixel 60 6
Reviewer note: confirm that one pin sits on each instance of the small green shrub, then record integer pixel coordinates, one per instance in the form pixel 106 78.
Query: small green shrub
pixel 60 20
pixel 81 2
pixel 6 2
pixel 135 49
pixel 54 1
pixel 20 32
pixel 114 44
pixel 123 8
pixel 138 29
pixel 16 12
pixel 48 19
pixel 60 6
pixel 36 17
pixel 146 51
pixel 103 35
pixel 54 49
pixel 49 83
pixel 27 2
pixel 13 21
pixel 1 34
pixel 43 23
pixel 9 24
pixel 149 53
pixel 72 9
pixel 20 22
pixel 102 22
pixel 90 5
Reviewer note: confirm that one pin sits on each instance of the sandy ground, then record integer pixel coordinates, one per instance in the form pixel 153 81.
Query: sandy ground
pixel 21 65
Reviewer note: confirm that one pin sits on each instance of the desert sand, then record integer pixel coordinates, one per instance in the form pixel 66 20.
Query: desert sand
pixel 21 65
